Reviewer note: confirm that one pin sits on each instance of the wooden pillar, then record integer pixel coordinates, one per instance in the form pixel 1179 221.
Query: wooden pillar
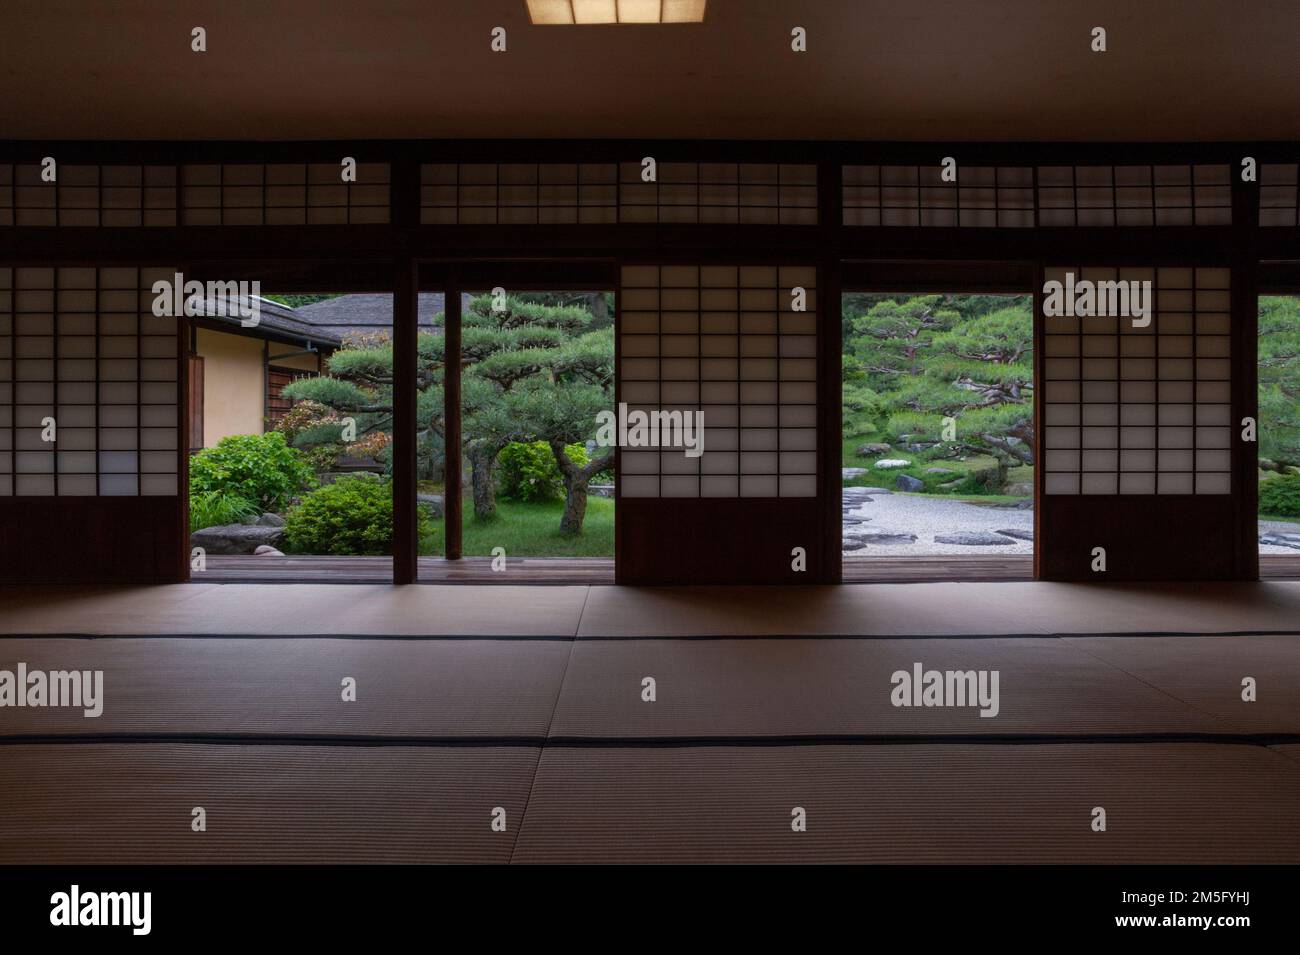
pixel 405 329
pixel 1244 343
pixel 452 497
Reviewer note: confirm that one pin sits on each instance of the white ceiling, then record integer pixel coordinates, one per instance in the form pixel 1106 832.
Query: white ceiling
pixel 875 69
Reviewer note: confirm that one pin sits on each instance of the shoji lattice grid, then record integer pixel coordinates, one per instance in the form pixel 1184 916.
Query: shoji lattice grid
pixel 88 196
pixel 720 193
pixel 518 193
pixel 1001 196
pixel 726 341
pixel 1279 194
pixel 81 346
pixel 284 194
pixel 1134 195
pixel 1141 410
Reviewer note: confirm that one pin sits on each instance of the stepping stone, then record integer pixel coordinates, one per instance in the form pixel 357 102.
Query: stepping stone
pixel 1019 533
pixel 885 464
pixel 882 538
pixel 851 544
pixel 849 473
pixel 972 539
pixel 854 520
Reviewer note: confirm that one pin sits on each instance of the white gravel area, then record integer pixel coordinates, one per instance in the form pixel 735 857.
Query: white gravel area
pixel 1278 528
pixel 927 515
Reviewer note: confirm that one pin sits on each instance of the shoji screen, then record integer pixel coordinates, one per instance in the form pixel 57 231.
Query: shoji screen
pixel 284 194
pixel 986 196
pixel 1136 443
pixel 88 196
pixel 518 193
pixel 737 344
pixel 89 413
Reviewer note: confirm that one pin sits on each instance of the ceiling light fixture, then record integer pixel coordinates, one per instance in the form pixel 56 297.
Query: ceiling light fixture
pixel 584 12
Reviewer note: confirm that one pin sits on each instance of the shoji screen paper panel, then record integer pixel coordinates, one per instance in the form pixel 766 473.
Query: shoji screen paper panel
pixel 250 194
pixel 1136 436
pixel 82 352
pixel 81 195
pixel 724 341
pixel 518 193
pixel 986 196
pixel 1279 194
pixel 1162 195
pixel 1145 410
pixel 720 193
pixel 81 348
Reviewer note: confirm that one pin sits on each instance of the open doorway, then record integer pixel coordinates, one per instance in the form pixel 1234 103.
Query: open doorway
pixel 938 435
pixel 536 487
pixel 1279 435
pixel 291 424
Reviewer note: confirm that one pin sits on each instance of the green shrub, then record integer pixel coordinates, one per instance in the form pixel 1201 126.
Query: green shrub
pixel 260 468
pixel 351 517
pixel 216 508
pixel 528 473
pixel 1280 495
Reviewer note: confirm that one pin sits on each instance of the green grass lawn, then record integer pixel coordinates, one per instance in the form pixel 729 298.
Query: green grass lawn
pixel 531 530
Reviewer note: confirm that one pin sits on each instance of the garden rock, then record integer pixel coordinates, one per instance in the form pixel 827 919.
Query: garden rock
pixel 601 490
pixel 1023 489
pixel 851 544
pixel 867 450
pixel 1019 533
pixel 972 539
pixel 886 464
pixel 271 520
pixel 940 471
pixel 908 483
pixel 236 538
pixel 849 474
pixel 432 503
pixel 951 485
pixel 882 537
pixel 267 551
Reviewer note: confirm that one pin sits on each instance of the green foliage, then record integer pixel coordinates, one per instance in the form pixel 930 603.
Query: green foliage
pixel 528 473
pixel 1280 495
pixel 352 516
pixel 1279 379
pixel 217 508
pixel 911 361
pixel 261 468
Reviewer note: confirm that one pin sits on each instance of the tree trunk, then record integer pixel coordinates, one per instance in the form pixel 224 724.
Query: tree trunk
pixel 575 486
pixel 482 464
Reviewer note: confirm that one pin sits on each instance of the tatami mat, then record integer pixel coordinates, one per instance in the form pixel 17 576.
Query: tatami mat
pixel 1207 673
pixel 1172 804
pixel 803 687
pixel 124 804
pixel 293 609
pixel 948 609
pixel 431 688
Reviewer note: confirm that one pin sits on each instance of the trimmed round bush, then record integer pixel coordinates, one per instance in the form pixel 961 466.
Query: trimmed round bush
pixel 527 472
pixel 260 468
pixel 1280 495
pixel 351 517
